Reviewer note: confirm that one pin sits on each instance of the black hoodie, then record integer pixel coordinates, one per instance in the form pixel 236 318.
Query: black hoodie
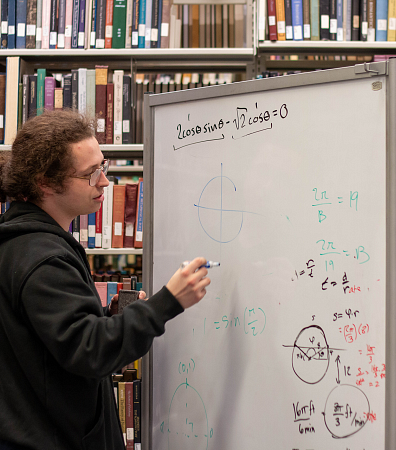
pixel 58 345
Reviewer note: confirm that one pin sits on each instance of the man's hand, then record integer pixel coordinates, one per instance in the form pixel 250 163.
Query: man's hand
pixel 188 284
pixel 113 308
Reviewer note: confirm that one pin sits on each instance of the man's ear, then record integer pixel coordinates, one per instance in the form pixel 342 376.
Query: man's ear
pixel 43 184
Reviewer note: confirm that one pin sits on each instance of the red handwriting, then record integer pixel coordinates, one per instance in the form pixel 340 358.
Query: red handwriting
pixel 352 331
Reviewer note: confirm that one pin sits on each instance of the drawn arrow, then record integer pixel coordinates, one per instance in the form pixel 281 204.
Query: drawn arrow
pixel 338 369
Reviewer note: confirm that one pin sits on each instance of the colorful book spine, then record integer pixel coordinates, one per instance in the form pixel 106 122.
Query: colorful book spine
pixel 53 35
pixel 288 20
pixel 11 24
pixel 75 21
pixel 381 29
pixel 271 7
pixel 118 87
pixel 126 110
pixel 4 23
pixel 21 13
pixel 297 18
pixel 142 24
pixel 91 230
pixel 49 90
pixel 138 243
pixel 98 228
pixel 109 113
pixel 31 19
pixel 46 21
pixel 119 24
pixel 81 25
pixel 315 29
pixel 340 12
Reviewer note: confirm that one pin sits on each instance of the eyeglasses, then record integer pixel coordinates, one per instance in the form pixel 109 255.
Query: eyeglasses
pixel 94 177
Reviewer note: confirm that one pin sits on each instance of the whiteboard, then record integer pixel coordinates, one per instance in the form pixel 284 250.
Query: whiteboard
pixel 286 188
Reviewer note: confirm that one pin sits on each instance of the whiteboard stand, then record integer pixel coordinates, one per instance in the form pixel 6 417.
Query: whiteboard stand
pixel 274 172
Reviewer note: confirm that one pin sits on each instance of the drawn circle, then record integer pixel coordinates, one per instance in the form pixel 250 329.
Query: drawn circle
pixel 187 421
pixel 311 355
pixel 347 410
pixel 216 210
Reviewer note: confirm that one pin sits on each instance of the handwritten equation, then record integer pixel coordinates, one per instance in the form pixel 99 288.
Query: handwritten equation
pixel 321 200
pixel 253 322
pixel 247 121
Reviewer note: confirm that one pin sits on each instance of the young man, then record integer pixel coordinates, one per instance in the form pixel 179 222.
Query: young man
pixel 59 346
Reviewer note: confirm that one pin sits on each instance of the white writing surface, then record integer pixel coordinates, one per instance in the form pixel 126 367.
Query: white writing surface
pixel 286 188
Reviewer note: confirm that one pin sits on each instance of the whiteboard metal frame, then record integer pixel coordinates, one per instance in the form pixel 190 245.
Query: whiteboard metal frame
pixel 358 71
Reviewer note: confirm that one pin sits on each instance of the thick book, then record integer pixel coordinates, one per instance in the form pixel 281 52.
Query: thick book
pixel 109 113
pixel 121 407
pixel 280 19
pixel 381 29
pixel 91 230
pixel 49 91
pixel 348 20
pixel 154 24
pixel 41 74
pixel 147 37
pixel 84 230
pixel 109 23
pixel 21 12
pixel 118 216
pixel 12 93
pixel 135 24
pixel 119 23
pixel 11 43
pixel 324 10
pixel 333 20
pixel 2 105
pixel 111 290
pixel 118 86
pixel 129 419
pixel 101 95
pixel 58 98
pixel 4 23
pixel 107 214
pixel 130 214
pixel 297 17
pixel 137 408
pixel 391 20
pixel 100 24
pixel 364 20
pixel 61 23
pixel 340 12
pixel 371 20
pixel 315 29
pixel 45 24
pixel 271 7
pixel 355 20
pixel 138 240
pixel 92 37
pixel 126 110
pixel 306 20
pixel 75 21
pixel 288 20
pixel 31 19
pixel 67 91
pixel 32 103
pixel 53 35
pixel 98 227
pixel 25 97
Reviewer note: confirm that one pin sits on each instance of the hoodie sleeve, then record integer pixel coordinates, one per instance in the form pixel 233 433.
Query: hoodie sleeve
pixel 68 318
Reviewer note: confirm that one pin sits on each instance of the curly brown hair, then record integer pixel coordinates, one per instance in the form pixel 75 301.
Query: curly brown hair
pixel 42 151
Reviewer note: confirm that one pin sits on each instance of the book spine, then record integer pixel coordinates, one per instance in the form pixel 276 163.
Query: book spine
pixel 324 9
pixel 53 35
pixel 142 24
pixel 25 98
pixel 21 13
pixel 98 228
pixel 154 24
pixel 31 19
pixel 76 228
pixel 84 230
pixel 74 85
pixel 315 29
pixel 297 17
pixel 333 20
pixel 109 113
pixel 137 411
pixel 288 20
pixel 107 217
pixel 271 6
pixel 11 24
pixel 41 74
pixel 100 24
pixel 4 24
pixel 67 91
pixel 118 87
pixel 81 25
pixel 46 21
pixel 62 24
pixel 348 24
pixel 68 23
pixel 160 7
pixel 49 90
pixel 138 242
pixel 75 20
pixel 391 37
pixel 119 23
pixel 364 20
pixel 355 20
pixel 126 110
pixel 306 20
pixel 91 230
pixel 135 24
pixel 147 36
pixel 128 29
pixel 129 418
pixel 39 23
pixel 58 98
pixel 340 30
pixel 121 407
pixel 371 21
pixel 93 24
pixel 82 90
pixel 90 98
pixel 109 23
pixel 280 20
pixel 2 105
pixel 381 29
pixel 118 216
pixel 130 214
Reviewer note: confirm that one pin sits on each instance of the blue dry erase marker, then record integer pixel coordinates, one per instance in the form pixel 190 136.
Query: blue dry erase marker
pixel 208 265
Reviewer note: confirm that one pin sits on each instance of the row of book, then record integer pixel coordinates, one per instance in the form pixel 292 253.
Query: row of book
pixel 337 20
pixel 113 96
pixel 84 24
pixel 119 221
pixel 107 289
pixel 128 399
